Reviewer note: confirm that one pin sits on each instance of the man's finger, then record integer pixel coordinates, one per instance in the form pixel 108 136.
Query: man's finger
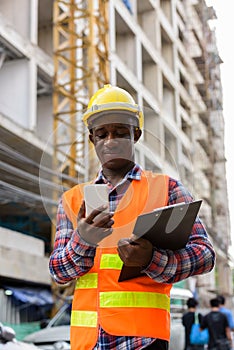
pixel 123 242
pixel 81 213
pixel 96 212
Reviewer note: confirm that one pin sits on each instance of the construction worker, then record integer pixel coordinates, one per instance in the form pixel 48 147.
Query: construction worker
pixel 91 249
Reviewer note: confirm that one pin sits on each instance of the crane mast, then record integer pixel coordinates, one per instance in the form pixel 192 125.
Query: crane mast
pixel 81 64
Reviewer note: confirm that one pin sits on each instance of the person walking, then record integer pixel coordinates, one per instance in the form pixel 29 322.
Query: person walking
pixel 91 249
pixel 188 319
pixel 219 330
pixel 226 311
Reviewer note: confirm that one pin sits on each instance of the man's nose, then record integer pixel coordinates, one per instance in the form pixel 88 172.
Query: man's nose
pixel 111 136
pixel 112 140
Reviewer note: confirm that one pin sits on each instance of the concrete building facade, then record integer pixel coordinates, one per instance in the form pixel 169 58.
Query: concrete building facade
pixel 164 53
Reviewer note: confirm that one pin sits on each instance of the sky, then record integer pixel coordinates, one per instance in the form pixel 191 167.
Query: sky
pixel 224 32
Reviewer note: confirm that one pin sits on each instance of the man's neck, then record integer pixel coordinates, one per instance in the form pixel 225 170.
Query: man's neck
pixel 115 176
pixel 215 308
pixel 192 309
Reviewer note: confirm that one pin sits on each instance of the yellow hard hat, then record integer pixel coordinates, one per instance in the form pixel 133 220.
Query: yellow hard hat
pixel 117 100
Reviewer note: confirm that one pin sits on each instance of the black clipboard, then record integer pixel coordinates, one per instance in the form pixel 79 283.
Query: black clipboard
pixel 166 228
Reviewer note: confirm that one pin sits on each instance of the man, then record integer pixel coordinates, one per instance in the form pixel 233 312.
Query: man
pixel 226 311
pixel 188 319
pixel 134 314
pixel 217 324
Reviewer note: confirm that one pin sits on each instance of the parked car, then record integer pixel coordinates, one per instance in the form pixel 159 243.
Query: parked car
pixel 8 340
pixel 56 334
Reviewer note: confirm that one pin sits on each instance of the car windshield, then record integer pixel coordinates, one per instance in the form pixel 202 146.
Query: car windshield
pixel 62 318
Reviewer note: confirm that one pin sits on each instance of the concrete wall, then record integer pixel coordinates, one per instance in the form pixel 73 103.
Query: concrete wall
pixel 17 12
pixel 22 257
pixel 14 93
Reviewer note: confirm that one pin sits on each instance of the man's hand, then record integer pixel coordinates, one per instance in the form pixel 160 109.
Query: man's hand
pixel 137 252
pixel 95 226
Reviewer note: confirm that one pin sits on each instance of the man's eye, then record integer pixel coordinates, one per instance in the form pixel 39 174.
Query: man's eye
pixel 123 134
pixel 100 136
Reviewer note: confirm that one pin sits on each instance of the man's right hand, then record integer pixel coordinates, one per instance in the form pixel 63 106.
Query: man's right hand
pixel 96 226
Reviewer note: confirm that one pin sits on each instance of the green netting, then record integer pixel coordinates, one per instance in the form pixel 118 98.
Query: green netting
pixel 180 284
pixel 24 329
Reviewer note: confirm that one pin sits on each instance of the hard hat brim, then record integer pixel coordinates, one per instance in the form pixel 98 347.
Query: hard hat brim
pixel 113 117
pixel 122 108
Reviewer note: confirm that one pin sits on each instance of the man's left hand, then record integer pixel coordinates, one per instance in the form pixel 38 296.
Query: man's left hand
pixel 136 252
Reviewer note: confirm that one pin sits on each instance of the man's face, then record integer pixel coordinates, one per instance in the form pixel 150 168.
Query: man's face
pixel 114 144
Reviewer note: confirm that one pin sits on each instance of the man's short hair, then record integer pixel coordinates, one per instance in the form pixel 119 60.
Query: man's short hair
pixel 221 299
pixel 192 302
pixel 214 302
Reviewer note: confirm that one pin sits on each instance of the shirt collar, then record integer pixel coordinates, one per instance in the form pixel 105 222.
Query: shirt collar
pixel 133 174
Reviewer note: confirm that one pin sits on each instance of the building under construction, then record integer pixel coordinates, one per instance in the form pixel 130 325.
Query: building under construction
pixel 53 56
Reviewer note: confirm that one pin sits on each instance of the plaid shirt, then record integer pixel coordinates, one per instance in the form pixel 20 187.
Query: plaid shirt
pixel 72 257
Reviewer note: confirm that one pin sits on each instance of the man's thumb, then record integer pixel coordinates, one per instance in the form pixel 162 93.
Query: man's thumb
pixel 81 213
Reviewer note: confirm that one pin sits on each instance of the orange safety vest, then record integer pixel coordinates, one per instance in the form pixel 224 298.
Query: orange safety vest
pixel 137 307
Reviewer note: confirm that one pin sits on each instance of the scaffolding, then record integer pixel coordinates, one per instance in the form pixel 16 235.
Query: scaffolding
pixel 80 35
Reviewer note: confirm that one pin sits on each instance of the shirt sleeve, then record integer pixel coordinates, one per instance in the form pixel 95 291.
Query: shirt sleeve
pixel 204 322
pixel 228 313
pixel 198 257
pixel 226 323
pixel 71 257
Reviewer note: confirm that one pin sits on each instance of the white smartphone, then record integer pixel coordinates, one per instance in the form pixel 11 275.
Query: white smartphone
pixel 95 195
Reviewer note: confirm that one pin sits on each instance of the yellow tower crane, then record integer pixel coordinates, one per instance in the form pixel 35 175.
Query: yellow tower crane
pixel 80 36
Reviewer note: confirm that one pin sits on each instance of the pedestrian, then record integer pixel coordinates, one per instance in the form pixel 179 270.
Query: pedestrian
pixel 226 311
pixel 134 314
pixel 188 319
pixel 217 324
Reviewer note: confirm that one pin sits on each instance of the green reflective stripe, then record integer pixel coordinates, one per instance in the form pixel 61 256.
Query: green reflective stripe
pixel 135 299
pixel 84 318
pixel 111 261
pixel 90 280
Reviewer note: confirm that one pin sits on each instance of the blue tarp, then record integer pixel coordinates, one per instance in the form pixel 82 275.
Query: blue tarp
pixel 128 5
pixel 32 296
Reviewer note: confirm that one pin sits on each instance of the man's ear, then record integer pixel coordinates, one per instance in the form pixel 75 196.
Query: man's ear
pixel 91 137
pixel 137 134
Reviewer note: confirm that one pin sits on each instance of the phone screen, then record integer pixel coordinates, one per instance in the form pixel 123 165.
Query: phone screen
pixel 95 196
